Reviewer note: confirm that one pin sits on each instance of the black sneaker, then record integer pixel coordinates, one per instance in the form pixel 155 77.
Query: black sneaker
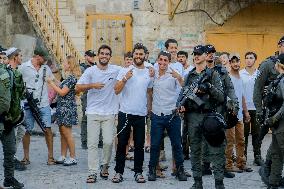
pixel 228 174
pixel 19 166
pixel 12 182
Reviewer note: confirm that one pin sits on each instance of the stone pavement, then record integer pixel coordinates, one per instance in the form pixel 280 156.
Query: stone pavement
pixel 41 176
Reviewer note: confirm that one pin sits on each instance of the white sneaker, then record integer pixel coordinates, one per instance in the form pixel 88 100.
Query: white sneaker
pixel 60 160
pixel 70 161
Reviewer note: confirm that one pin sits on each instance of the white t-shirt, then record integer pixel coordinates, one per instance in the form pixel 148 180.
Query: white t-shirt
pixel 101 101
pixel 248 81
pixel 147 64
pixel 34 81
pixel 133 99
pixel 239 90
pixel 187 70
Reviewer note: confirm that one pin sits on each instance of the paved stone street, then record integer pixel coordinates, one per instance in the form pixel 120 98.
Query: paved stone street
pixel 41 176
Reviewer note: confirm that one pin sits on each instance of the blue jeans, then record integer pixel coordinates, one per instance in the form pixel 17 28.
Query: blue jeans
pixel 173 127
pixel 45 114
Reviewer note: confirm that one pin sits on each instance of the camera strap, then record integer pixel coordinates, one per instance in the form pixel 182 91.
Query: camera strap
pixel 43 80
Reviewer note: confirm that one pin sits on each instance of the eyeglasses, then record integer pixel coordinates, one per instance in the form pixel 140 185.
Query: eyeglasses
pixel 102 53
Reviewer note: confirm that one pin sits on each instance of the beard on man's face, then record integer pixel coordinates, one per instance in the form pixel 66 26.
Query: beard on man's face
pixel 139 61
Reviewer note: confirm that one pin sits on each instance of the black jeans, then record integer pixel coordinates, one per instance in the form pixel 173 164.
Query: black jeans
pixel 9 142
pixel 252 127
pixel 138 124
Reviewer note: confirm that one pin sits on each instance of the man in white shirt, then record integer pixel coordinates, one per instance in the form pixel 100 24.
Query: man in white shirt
pixel 182 57
pixel 133 84
pixel 248 75
pixel 165 84
pixel 34 74
pixel 224 57
pixel 235 135
pixel 102 106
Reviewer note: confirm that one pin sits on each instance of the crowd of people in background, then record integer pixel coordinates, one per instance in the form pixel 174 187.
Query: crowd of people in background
pixel 207 106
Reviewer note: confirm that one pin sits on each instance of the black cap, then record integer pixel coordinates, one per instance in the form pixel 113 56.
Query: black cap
pixel 90 53
pixel 280 58
pixel 199 49
pixel 281 40
pixel 210 49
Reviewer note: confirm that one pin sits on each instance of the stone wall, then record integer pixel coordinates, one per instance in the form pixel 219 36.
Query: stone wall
pixel 13 20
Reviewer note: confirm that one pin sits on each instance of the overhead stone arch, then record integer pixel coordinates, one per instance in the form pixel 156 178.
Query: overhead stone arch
pixel 249 27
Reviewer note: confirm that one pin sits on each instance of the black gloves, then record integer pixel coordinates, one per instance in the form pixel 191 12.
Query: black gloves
pixel 204 87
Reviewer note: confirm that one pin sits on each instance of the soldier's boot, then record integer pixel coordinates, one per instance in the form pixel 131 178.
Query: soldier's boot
pixel 206 169
pixel 12 182
pixel 152 174
pixel 258 160
pixel 228 174
pixel 281 183
pixel 180 175
pixel 264 172
pixel 197 183
pixel 273 186
pixel 219 184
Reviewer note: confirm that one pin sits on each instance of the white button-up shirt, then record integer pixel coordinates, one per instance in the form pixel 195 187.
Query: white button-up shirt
pixel 248 81
pixel 165 93
pixel 35 82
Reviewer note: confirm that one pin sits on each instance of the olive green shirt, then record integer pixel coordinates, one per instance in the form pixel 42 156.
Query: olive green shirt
pixel 5 92
pixel 279 116
pixel 267 73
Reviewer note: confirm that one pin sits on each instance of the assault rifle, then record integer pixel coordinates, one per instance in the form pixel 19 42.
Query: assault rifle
pixel 190 92
pixel 35 110
pixel 270 108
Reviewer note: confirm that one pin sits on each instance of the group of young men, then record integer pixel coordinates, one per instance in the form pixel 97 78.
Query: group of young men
pixel 207 93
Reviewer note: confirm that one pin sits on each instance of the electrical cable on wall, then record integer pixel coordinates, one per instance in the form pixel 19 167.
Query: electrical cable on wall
pixel 186 11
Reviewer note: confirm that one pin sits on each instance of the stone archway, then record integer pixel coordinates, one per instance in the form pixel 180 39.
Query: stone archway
pixel 257 28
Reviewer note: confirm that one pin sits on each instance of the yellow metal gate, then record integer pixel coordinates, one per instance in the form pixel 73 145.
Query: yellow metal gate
pixel 112 30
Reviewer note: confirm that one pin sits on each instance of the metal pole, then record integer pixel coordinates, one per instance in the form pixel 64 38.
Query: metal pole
pixel 57 30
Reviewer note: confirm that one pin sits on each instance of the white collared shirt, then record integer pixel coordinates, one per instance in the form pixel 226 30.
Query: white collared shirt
pixel 165 93
pixel 101 101
pixel 34 81
pixel 248 81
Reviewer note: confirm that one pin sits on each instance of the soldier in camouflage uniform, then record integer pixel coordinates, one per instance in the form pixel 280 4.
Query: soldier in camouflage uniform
pixel 267 73
pixel 7 134
pixel 276 123
pixel 195 115
pixel 222 109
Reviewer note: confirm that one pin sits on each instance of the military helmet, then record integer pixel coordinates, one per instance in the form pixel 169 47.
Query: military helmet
pixel 213 127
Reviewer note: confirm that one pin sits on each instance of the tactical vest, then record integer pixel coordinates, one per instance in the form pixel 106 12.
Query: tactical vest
pixel 6 93
pixel 17 94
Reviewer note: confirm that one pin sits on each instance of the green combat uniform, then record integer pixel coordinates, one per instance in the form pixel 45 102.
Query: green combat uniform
pixel 7 138
pixel 195 116
pixel 267 73
pixel 276 123
pixel 229 92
